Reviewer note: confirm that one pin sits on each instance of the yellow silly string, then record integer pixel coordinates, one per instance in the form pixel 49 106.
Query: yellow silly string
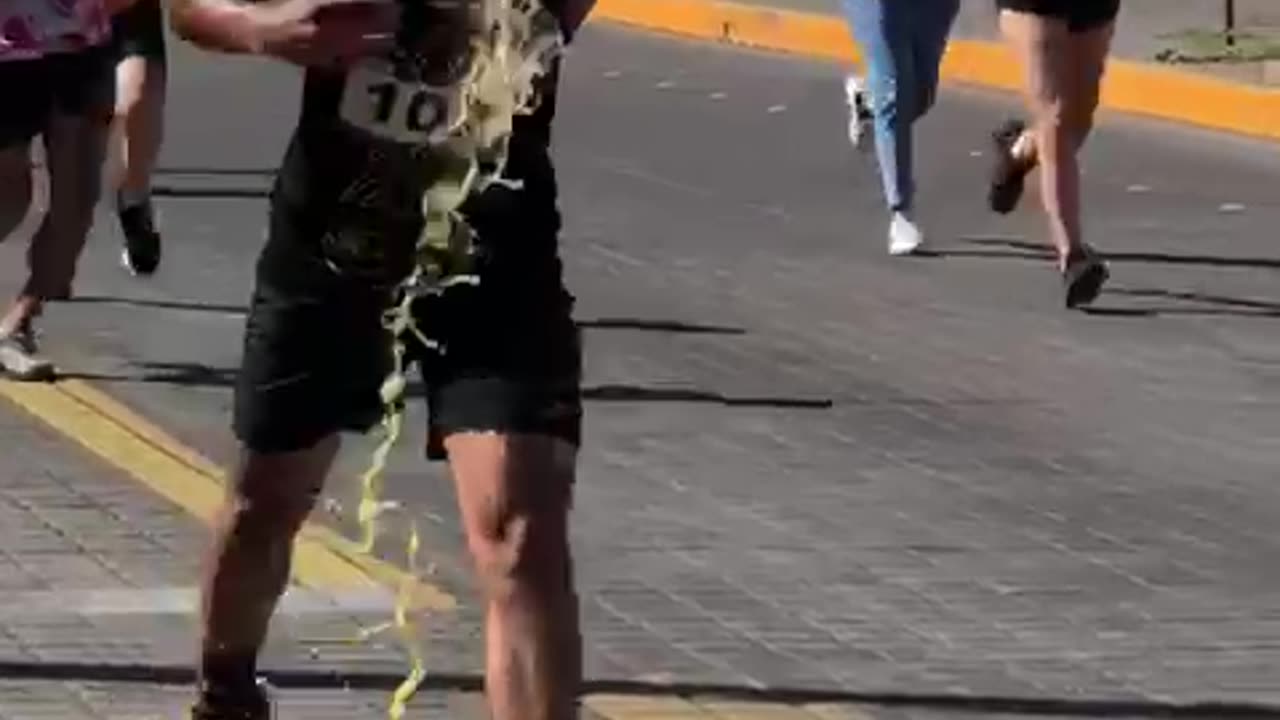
pixel 407 629
pixel 512 44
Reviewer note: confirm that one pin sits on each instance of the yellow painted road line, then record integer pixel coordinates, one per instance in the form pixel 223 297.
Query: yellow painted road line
pixel 1129 86
pixel 742 710
pixel 829 711
pixel 323 559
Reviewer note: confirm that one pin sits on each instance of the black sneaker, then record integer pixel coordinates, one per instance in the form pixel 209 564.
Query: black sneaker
pixel 1083 278
pixel 141 254
pixel 1008 173
pixel 251 703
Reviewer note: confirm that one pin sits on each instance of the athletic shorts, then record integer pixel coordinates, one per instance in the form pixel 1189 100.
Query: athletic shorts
pixel 72 84
pixel 138 31
pixel 1080 15
pixel 315 353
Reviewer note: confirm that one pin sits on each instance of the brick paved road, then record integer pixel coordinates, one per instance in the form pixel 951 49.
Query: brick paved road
pixel 96 598
pixel 810 466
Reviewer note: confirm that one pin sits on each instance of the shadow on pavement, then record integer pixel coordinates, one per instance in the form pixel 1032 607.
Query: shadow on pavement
pixel 634 393
pixel 603 323
pixel 1013 248
pixel 1189 304
pixel 1196 303
pixel 190 374
pixel 669 326
pixel 216 192
pixel 973 704
pixel 160 304
pixel 186 374
pixel 211 192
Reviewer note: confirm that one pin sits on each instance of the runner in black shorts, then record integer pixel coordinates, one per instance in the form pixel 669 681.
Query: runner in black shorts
pixel 58 90
pixel 1080 15
pixel 1063 47
pixel 139 46
pixel 503 390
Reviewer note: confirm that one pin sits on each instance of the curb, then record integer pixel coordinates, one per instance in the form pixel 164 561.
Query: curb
pixel 1129 86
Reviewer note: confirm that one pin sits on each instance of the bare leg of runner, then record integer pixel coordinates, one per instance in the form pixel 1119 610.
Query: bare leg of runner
pixel 248 571
pixel 1063 75
pixel 74 150
pixel 141 71
pixel 140 97
pixel 514 492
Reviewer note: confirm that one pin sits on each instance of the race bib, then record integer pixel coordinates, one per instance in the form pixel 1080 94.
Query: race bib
pixel 376 101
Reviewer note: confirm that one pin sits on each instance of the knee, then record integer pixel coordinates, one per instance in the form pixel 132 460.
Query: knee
pixel 140 90
pixel 1052 118
pixel 521 555
pixel 1064 125
pixel 272 496
pixel 129 103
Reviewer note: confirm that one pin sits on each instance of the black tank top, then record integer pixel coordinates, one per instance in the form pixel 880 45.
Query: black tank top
pixel 355 170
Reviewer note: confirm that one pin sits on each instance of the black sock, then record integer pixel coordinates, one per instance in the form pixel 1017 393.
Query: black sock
pixel 225 673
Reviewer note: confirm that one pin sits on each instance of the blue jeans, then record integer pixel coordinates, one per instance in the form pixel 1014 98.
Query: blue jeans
pixel 903 42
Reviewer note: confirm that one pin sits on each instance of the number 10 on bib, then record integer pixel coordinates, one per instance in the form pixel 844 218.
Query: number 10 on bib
pixel 376 101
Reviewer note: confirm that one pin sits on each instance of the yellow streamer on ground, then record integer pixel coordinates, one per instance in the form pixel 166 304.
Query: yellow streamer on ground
pixel 408 631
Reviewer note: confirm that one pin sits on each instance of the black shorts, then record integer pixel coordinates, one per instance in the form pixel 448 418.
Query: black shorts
pixel 316 354
pixel 1080 15
pixel 138 31
pixel 72 84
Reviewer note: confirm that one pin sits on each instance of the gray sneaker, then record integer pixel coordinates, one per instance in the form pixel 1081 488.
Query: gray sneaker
pixel 20 358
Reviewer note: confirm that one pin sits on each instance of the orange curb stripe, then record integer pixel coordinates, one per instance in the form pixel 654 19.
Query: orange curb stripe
pixel 1130 86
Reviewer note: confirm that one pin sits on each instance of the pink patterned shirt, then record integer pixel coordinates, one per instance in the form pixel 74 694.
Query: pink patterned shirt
pixel 32 29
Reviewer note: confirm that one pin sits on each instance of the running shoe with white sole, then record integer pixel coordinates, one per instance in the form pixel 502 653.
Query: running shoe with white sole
pixel 20 357
pixel 905 237
pixel 855 97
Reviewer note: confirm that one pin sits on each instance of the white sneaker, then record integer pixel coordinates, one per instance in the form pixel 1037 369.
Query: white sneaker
pixel 855 97
pixel 905 236
pixel 20 358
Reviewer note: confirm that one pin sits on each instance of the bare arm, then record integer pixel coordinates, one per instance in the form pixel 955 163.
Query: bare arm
pixel 313 33
pixel 219 25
